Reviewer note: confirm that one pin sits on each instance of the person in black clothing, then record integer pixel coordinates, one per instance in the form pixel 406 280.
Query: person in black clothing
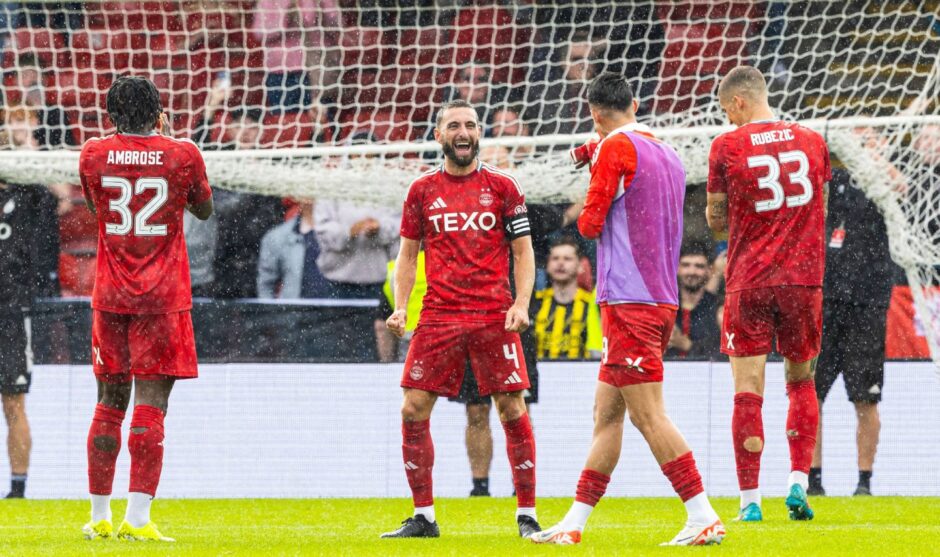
pixel 29 259
pixel 856 292
pixel 696 335
pixel 243 219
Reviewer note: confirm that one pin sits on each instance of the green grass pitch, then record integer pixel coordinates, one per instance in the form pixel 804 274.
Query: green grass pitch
pixel 471 527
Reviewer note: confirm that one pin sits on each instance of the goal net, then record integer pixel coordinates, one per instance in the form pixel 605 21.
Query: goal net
pixel 336 99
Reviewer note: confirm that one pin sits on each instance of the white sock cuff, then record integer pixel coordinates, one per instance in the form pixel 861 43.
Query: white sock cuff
pixel 800 478
pixel 749 496
pixel 428 513
pixel 527 511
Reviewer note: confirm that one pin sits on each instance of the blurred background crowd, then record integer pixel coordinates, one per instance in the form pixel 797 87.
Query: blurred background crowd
pixel 295 73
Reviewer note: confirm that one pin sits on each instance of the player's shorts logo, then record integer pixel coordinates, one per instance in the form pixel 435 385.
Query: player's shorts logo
pixel 416 373
pixel 486 199
pixel 635 364
pixel 5 231
pixel 730 338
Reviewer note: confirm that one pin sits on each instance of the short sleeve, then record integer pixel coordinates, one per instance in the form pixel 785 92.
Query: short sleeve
pixel 83 171
pixel 199 190
pixel 515 212
pixel 717 171
pixel 412 214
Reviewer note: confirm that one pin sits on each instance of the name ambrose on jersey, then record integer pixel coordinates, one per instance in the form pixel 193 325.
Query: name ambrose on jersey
pixel 150 158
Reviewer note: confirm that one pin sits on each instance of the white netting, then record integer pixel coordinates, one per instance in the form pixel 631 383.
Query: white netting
pixel 344 92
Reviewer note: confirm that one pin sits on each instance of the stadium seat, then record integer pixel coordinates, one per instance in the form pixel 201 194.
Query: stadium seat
pixel 78 237
pixel 47 45
pixel 361 46
pixel 287 129
pixel 101 49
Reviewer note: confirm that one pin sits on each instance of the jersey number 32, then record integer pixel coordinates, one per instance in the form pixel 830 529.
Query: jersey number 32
pixel 130 222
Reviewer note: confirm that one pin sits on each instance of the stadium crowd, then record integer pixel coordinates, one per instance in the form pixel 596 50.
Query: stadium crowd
pixel 256 89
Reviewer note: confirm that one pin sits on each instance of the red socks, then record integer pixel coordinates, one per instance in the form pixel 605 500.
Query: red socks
pixel 802 420
pixel 104 444
pixel 146 448
pixel 684 476
pixel 747 431
pixel 417 451
pixel 591 487
pixel 520 446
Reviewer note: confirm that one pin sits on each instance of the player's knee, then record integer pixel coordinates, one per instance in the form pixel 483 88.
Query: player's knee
pixel 643 421
pixel 478 416
pixel 753 444
pixel 413 410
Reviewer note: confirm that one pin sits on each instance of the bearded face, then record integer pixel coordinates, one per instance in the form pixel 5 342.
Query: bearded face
pixel 459 136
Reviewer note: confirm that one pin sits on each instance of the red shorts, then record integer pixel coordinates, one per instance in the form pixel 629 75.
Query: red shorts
pixel 438 354
pixel 144 346
pixel 753 317
pixel 635 338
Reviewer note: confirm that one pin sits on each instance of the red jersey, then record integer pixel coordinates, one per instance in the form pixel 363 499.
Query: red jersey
pixel 466 224
pixel 774 173
pixel 140 186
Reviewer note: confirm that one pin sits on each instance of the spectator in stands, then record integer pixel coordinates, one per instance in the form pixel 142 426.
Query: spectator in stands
pixel 856 294
pixel 560 105
pixel 242 218
pixel 298 35
pixel 20 125
pixel 473 83
pixel 54 128
pixel 29 257
pixel 287 266
pixel 201 237
pixel 567 320
pixel 696 335
pixel 356 243
pixel 507 122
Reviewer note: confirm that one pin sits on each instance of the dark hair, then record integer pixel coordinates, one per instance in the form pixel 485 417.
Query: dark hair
pixel 693 247
pixel 610 91
pixel 456 103
pixel 253 114
pixel 566 241
pixel 134 104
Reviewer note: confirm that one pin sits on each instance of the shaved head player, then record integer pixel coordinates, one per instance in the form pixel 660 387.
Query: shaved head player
pixel 767 185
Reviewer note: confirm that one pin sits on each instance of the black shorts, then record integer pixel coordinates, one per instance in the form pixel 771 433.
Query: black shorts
pixel 853 344
pixel 15 355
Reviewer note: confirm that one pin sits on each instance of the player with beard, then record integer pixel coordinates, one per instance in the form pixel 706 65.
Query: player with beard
pixel 469 216
pixel 696 334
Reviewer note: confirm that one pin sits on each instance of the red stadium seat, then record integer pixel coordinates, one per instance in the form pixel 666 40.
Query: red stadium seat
pixel 102 49
pixel 287 129
pixel 48 46
pixel 362 46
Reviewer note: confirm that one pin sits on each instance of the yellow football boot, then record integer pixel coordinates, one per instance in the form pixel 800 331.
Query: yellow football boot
pixel 148 532
pixel 98 530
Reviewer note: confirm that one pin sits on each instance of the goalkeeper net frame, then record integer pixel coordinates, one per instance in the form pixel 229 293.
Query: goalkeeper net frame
pixel 335 99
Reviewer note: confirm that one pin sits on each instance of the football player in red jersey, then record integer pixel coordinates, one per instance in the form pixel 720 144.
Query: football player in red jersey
pixel 469 217
pixel 767 186
pixel 138 182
